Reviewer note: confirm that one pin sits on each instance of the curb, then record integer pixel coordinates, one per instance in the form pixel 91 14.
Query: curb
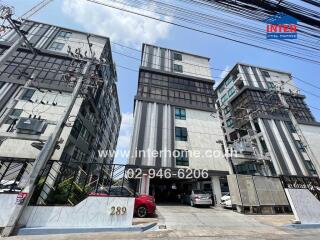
pixel 48 231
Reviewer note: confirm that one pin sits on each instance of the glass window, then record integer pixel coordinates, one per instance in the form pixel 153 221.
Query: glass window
pixel 224 98
pixel 226 110
pixel 181 134
pixel 27 95
pixel 76 128
pixel 310 167
pixel 180 113
pixel 14 115
pixel 300 145
pixel 56 46
pixel 64 34
pixel 291 127
pixel 271 85
pixel 182 158
pixel 229 80
pixel 266 74
pixel 177 68
pixel 177 56
pixel 231 91
pixel 229 122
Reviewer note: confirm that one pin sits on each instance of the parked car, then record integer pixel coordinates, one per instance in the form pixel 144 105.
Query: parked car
pixel 197 198
pixel 226 201
pixel 144 205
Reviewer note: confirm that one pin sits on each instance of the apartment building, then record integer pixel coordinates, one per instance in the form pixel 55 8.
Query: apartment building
pixel 174 111
pixel 29 112
pixel 265 119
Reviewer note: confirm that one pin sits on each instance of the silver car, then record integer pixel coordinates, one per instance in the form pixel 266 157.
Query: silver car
pixel 199 198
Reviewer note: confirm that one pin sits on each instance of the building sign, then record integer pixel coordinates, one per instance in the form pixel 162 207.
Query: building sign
pixel 281 26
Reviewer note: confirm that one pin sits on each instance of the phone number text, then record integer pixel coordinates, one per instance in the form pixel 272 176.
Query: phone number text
pixel 183 173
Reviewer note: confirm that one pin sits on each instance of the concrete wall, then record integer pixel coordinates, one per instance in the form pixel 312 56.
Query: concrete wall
pixel 7 203
pixel 162 59
pixel 312 135
pixel 203 133
pixel 48 112
pixel 91 212
pixel 305 206
pixel 248 190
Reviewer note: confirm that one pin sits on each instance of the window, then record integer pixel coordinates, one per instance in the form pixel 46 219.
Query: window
pixel 229 122
pixel 177 56
pixel 310 167
pixel 177 68
pixel 266 74
pixel 231 91
pixel 263 145
pixel 291 127
pixel 229 80
pixel 226 110
pixel 271 85
pixel 56 46
pixel 224 98
pixel 300 145
pixel 27 95
pixel 13 115
pixel 64 34
pixel 257 126
pixel 180 113
pixel 76 129
pixel 182 157
pixel 181 134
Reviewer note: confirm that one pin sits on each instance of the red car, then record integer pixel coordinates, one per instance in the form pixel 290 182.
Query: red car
pixel 144 205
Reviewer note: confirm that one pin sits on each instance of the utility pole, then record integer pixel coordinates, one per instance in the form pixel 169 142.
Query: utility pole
pixel 44 156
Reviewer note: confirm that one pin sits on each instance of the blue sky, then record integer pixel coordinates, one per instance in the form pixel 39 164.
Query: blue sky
pixel 132 30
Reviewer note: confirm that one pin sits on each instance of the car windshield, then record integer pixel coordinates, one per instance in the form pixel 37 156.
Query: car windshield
pixel 199 192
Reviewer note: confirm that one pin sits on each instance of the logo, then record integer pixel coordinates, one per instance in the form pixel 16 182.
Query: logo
pixel 281 26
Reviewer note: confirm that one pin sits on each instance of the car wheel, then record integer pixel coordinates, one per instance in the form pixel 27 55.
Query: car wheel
pixel 142 212
pixel 191 203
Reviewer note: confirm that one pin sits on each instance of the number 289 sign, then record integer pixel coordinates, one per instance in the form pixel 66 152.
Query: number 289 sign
pixel 118 210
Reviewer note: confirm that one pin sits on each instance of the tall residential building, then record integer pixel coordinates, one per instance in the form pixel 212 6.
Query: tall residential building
pixel 265 118
pixel 174 111
pixel 30 118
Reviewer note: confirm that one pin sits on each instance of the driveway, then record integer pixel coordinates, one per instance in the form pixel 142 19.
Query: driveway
pixel 188 222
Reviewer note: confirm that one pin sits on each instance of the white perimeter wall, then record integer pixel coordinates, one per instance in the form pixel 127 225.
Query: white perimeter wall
pixel 91 212
pixel 7 203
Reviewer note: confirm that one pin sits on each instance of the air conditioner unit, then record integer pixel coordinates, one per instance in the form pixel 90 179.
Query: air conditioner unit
pixel 31 126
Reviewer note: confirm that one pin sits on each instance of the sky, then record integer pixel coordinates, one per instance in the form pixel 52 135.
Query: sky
pixel 132 30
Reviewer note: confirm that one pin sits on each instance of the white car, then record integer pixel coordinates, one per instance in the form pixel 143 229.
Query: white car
pixel 226 201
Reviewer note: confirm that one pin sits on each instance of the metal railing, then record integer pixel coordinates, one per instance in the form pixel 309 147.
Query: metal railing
pixel 302 182
pixel 66 183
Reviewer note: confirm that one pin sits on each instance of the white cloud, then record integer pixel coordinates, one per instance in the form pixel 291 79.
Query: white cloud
pixel 118 25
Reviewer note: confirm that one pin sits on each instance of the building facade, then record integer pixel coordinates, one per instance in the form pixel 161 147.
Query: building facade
pixel 266 120
pixel 95 119
pixel 174 111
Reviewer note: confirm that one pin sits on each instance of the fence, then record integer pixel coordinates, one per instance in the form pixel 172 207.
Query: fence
pixel 66 183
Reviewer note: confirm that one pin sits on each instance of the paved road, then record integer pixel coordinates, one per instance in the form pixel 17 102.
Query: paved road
pixel 184 222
